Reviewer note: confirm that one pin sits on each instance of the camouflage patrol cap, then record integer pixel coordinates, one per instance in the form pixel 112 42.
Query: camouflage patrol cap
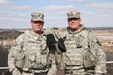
pixel 36 16
pixel 73 14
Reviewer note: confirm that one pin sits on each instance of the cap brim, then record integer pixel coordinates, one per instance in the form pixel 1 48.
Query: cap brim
pixel 74 17
pixel 37 20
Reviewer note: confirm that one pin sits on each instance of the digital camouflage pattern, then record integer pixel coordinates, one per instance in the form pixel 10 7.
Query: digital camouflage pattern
pixel 36 16
pixel 73 14
pixel 83 55
pixel 30 53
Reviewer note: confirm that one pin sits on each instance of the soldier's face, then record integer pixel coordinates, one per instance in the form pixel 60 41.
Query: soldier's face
pixel 37 25
pixel 74 23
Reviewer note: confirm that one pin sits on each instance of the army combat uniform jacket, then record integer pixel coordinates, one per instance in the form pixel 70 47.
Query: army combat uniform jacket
pixel 83 55
pixel 29 54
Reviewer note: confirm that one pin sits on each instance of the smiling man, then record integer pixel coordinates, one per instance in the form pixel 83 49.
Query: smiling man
pixel 29 56
pixel 84 55
pixel 74 20
pixel 37 22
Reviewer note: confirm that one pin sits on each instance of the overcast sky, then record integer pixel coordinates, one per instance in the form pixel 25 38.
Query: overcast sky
pixel 17 13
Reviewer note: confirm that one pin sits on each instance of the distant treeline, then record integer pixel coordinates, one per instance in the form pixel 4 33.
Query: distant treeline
pixel 8 35
pixel 13 33
pixel 99 28
pixel 89 28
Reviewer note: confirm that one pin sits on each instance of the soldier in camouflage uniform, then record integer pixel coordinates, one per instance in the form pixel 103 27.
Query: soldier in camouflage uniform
pixel 83 55
pixel 29 56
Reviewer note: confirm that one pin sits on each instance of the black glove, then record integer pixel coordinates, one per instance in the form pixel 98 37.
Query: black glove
pixel 51 42
pixel 61 45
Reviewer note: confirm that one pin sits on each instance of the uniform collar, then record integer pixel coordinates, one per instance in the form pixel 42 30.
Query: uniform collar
pixel 32 35
pixel 77 31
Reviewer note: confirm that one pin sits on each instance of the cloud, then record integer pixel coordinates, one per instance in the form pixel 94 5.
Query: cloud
pixel 13 20
pixel 14 23
pixel 103 13
pixel 12 15
pixel 2 2
pixel 11 6
pixel 97 19
pixel 78 0
pixel 101 6
pixel 15 7
pixel 101 9
pixel 55 12
pixel 54 8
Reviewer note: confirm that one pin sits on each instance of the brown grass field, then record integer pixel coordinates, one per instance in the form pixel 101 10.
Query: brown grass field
pixel 106 38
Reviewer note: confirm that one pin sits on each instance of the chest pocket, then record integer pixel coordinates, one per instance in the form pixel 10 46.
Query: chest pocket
pixel 34 58
pixel 89 59
pixel 75 49
pixel 19 59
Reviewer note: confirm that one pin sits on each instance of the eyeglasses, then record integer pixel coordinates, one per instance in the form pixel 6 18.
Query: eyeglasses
pixel 75 19
pixel 36 22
